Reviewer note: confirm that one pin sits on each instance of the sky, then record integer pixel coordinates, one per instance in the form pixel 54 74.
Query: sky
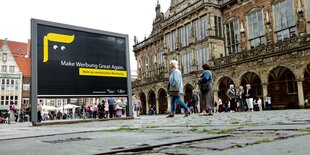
pixel 132 17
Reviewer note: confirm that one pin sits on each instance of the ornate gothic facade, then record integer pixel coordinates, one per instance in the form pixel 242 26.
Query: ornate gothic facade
pixel 262 42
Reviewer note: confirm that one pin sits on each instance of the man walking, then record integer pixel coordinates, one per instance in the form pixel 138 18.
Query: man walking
pixel 111 107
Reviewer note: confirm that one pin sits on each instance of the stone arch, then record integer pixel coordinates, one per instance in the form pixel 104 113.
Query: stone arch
pixel 255 8
pixel 306 82
pixel 282 87
pixel 254 80
pixel 188 89
pixel 162 101
pixel 143 102
pixel 151 99
pixel 223 86
pixel 230 19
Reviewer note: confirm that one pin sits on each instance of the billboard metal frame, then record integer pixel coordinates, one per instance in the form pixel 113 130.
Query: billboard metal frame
pixel 34 65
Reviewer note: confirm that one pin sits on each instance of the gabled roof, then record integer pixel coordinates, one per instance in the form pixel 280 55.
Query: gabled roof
pixel 24 65
pixel 19 51
pixel 17 48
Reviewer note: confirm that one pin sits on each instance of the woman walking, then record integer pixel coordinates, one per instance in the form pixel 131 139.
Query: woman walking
pixel 205 82
pixel 176 84
pixel 241 98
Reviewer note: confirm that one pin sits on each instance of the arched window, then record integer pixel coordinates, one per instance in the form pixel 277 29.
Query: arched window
pixel 232 36
pixel 256 34
pixel 284 20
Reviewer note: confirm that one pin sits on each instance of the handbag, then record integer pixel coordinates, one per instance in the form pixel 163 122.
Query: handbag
pixel 204 87
pixel 174 91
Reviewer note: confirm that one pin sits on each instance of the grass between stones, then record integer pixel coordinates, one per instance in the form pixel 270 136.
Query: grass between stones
pixel 266 140
pixel 217 131
pixel 304 130
pixel 122 130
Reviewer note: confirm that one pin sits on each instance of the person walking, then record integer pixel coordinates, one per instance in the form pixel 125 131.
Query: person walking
pixel 176 85
pixel 241 98
pixel 249 97
pixel 195 101
pixel 136 105
pixel 111 107
pixel 268 102
pixel 232 95
pixel 205 83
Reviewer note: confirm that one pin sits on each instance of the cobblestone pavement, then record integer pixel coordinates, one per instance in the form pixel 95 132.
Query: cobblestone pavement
pixel 267 132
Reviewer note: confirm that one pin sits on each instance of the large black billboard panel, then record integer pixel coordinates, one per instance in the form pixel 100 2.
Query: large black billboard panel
pixel 75 61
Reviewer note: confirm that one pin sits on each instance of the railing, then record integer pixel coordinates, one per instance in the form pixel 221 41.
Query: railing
pixel 264 51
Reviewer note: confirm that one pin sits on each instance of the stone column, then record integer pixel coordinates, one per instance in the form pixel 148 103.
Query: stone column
pixel 265 93
pixel 301 98
pixel 157 105
pixel 146 106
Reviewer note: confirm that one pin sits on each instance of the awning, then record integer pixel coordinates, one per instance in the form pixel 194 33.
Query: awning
pixel 4 107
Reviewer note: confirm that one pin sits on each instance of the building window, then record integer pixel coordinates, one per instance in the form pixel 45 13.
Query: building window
pixel 186 63
pixel 256 33
pixel 4 57
pixel 25 100
pixel 308 14
pixel 171 40
pixel 143 68
pixel 201 28
pixel 202 57
pixel 160 61
pixel 185 33
pixel 12 69
pixel 284 20
pixel 4 68
pixel 151 65
pixel 232 37
pixel 26 87
pixel 291 84
pixel 218 26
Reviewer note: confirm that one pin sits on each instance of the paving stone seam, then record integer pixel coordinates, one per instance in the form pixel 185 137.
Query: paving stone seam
pixel 49 135
pixel 151 147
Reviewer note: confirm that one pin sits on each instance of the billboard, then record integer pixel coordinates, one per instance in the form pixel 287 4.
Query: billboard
pixel 75 61
pixel 71 61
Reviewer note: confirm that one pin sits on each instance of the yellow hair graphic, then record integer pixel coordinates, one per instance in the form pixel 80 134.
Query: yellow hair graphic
pixel 61 38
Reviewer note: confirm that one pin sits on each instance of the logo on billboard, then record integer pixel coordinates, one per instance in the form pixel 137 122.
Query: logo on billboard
pixel 55 37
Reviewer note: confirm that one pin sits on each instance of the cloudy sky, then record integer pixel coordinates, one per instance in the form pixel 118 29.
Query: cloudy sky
pixel 132 17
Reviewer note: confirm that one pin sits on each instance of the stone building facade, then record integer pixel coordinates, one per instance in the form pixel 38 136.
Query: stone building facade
pixel 265 43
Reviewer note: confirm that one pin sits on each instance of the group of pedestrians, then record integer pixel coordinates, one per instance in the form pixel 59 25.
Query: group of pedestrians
pixel 243 99
pixel 175 86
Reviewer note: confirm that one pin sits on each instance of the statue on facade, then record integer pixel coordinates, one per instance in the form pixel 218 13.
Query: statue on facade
pixel 135 39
